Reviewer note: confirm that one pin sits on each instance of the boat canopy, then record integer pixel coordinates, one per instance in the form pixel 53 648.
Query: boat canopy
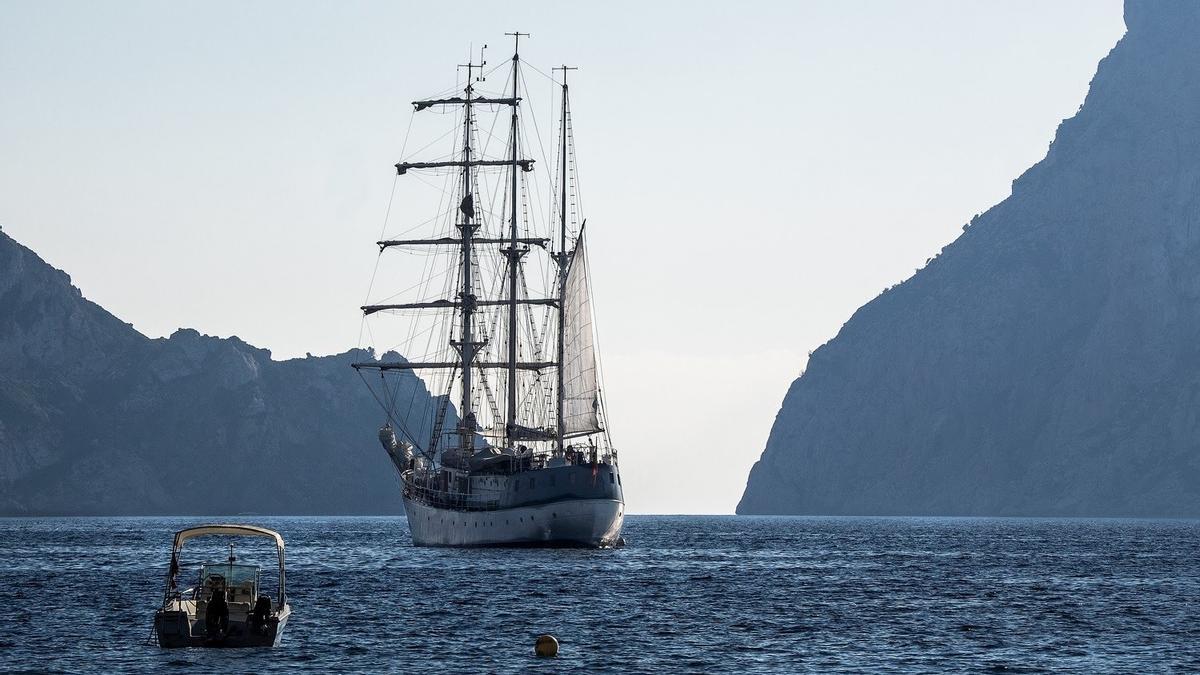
pixel 235 530
pixel 229 529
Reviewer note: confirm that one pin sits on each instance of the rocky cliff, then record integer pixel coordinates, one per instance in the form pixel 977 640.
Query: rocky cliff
pixel 1047 362
pixel 96 418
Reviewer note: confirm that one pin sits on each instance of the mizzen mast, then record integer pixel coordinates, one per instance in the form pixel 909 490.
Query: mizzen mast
pixel 563 259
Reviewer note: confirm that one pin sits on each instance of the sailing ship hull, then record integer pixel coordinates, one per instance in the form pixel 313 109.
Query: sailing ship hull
pixel 588 523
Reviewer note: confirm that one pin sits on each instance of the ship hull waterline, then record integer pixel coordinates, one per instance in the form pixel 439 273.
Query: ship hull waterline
pixel 582 523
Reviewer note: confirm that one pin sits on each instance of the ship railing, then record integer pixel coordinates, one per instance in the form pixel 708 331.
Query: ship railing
pixel 444 499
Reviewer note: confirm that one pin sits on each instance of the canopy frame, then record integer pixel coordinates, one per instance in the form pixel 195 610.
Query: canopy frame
pixel 228 529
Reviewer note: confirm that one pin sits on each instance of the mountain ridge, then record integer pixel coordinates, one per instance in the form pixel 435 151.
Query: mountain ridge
pixel 1046 362
pixel 98 419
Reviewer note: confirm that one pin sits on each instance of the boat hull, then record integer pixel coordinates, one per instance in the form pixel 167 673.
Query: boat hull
pixel 587 523
pixel 180 628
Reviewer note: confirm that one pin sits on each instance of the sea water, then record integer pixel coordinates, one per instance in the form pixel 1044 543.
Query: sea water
pixel 686 594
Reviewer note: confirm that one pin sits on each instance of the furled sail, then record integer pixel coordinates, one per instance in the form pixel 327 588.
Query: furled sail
pixel 581 393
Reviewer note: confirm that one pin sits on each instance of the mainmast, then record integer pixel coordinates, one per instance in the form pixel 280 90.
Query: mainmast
pixel 563 259
pixel 513 252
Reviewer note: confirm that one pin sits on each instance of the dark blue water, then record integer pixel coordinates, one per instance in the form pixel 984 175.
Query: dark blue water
pixel 688 594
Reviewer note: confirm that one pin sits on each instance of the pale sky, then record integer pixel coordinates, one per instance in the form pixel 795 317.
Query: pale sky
pixel 753 172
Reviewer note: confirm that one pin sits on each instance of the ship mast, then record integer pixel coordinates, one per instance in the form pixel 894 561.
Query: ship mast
pixel 467 303
pixel 466 346
pixel 514 253
pixel 563 259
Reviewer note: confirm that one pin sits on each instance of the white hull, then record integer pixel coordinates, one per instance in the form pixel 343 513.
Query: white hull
pixel 574 522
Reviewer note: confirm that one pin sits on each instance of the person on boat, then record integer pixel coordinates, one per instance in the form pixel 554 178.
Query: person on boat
pixel 216 617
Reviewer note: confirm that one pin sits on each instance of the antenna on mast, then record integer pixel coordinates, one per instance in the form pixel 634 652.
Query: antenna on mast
pixel 564 68
pixel 471 67
pixel 516 36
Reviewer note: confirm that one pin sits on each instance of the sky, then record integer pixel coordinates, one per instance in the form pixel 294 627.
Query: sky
pixel 753 172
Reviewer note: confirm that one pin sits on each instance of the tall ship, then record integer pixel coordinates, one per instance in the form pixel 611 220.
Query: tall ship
pixel 513 447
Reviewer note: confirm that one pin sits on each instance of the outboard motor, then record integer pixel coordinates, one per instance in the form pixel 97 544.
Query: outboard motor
pixel 258 616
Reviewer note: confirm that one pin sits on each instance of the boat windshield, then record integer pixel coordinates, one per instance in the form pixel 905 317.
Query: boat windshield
pixel 240 582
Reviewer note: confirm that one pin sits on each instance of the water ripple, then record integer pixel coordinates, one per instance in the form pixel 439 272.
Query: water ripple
pixel 688 594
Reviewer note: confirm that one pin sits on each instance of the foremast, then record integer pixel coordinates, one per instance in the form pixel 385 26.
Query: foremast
pixel 467 345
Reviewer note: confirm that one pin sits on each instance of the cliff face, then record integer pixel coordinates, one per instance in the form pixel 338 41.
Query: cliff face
pixel 96 418
pixel 1047 362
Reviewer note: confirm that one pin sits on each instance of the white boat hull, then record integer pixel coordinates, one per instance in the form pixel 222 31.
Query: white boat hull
pixel 575 522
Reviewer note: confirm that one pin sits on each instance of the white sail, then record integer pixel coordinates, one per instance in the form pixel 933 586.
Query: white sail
pixel 581 393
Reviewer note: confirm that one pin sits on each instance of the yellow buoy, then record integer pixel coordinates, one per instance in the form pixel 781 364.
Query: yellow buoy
pixel 546 645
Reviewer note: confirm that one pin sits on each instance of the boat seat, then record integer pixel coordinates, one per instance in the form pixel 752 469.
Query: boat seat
pixel 243 593
pixel 239 612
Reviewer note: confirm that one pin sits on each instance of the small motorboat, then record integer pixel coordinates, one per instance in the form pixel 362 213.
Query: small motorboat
pixel 226 607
